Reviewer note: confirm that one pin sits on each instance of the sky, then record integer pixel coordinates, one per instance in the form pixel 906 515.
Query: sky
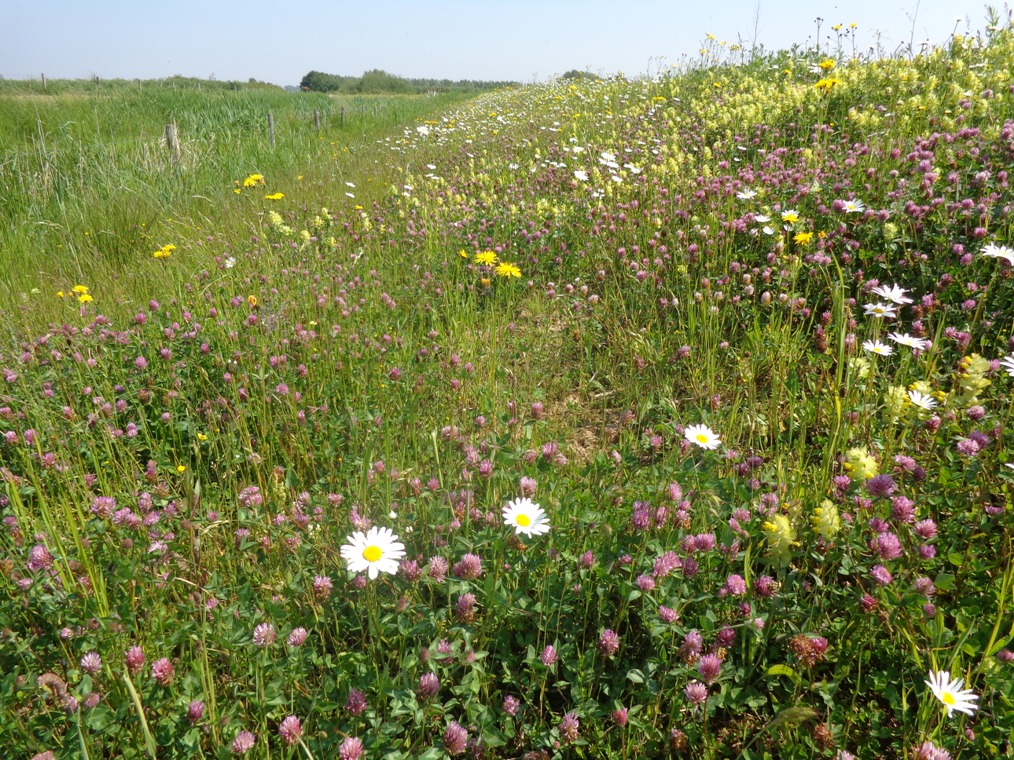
pixel 279 41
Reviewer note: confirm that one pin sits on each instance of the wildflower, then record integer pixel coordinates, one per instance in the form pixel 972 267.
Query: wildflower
pixel 91 662
pixel 355 703
pixel 296 637
pixel 745 195
pixel 878 348
pixel 230 262
pixel 253 179
pixel 570 728
pixel 274 196
pixel 243 743
pixel 999 252
pixel 826 65
pixel 609 643
pixel 703 436
pixel 503 269
pixel 709 666
pixel 930 751
pixel 880 486
pixel 781 536
pixel 162 671
pixel 376 551
pixel 290 730
pixel 195 712
pixel 429 686
pixel 351 748
pixel 581 176
pixel 893 293
pixel 922 400
pixel 853 206
pixel 860 464
pixel 696 693
pixel 264 635
pixel 826 522
pixel 826 84
pixel 803 238
pixel 134 659
pixel 526 517
pixel 548 656
pixel 790 216
pixel 84 298
pixel 455 738
pixel 469 567
pixel 486 258
pixel 880 310
pixel 1008 364
pixel 950 693
pixel 904 339
pixel 511 705
pixel 881 575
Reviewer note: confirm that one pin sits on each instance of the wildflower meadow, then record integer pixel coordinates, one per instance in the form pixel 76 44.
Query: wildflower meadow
pixel 658 416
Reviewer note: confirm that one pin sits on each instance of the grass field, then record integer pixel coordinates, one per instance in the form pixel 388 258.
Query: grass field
pixel 596 419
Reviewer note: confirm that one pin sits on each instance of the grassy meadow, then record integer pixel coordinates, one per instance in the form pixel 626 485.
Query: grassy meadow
pixel 653 417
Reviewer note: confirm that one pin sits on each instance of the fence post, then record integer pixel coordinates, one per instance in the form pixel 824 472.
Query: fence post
pixel 172 142
pixel 343 115
pixel 316 119
pixel 271 128
pixel 43 81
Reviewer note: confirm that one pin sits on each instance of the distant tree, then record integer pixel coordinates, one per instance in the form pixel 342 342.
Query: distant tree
pixel 575 74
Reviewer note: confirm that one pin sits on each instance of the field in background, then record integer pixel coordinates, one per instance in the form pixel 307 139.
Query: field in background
pixel 735 341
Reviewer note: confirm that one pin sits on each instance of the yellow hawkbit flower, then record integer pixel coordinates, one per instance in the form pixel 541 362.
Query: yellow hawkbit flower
pixel 826 84
pixel 79 289
pixel 486 258
pixel 827 64
pixel 84 298
pixel 507 270
pixel 181 468
pixel 274 196
pixel 253 179
pixel 252 300
pixel 803 238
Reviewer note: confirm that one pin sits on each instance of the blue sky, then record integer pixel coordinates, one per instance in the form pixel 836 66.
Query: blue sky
pixel 519 40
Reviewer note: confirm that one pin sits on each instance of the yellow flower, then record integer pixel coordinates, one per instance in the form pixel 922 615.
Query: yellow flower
pixel 252 300
pixel 826 84
pixel 485 282
pixel 79 289
pixel 180 468
pixel 826 522
pixel 274 196
pixel 827 64
pixel 486 258
pixel 781 537
pixel 59 294
pixel 860 464
pixel 803 238
pixel 508 270
pixel 463 253
pixel 253 179
pixel 165 251
pixel 84 298
pixel 202 437
pixel 790 217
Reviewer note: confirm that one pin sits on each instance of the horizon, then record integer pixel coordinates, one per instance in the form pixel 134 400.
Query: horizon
pixel 228 41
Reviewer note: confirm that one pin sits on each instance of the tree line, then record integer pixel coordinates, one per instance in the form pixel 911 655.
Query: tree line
pixel 377 81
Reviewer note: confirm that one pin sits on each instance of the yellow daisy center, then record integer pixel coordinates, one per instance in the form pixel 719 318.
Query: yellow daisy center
pixel 702 438
pixel 948 698
pixel 523 520
pixel 372 553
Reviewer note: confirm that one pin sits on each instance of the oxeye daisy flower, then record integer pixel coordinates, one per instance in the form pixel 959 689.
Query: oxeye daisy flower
pixel 904 339
pixel 994 251
pixel 791 216
pixel 876 347
pixel 581 175
pixel 376 551
pixel 1008 364
pixel 853 206
pixel 702 436
pixel 950 693
pixel 880 310
pixel 745 195
pixel 526 517
pixel 922 400
pixel 893 293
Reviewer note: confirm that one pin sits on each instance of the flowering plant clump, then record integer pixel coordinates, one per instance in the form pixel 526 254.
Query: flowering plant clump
pixel 662 416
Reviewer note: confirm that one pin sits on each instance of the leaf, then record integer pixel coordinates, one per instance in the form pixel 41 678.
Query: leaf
pixel 635 676
pixel 793 716
pixel 784 670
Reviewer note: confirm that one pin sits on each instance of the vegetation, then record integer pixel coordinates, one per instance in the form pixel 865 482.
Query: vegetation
pixel 377 81
pixel 595 419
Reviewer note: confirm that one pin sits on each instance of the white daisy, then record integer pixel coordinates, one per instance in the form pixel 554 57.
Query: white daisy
pixel 950 693
pixel 994 251
pixel 878 348
pixel 376 551
pixel 1008 364
pixel 526 517
pixel 703 436
pixel 581 175
pixel 922 400
pixel 904 339
pixel 745 195
pixel 880 310
pixel 762 218
pixel 854 206
pixel 894 294
pixel 230 262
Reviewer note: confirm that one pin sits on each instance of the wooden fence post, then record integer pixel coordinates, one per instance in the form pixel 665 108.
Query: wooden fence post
pixel 271 128
pixel 343 115
pixel 43 82
pixel 173 143
pixel 316 119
